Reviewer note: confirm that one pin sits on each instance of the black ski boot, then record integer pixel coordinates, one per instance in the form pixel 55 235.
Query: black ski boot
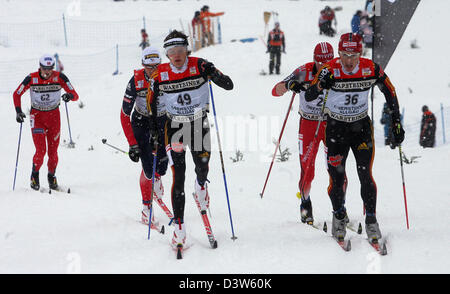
pixel 34 181
pixel 52 183
pixel 306 212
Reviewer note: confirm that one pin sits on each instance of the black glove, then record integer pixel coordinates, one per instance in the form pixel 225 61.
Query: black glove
pixel 20 115
pixel 295 86
pixel 209 68
pixel 326 79
pixel 268 49
pixel 66 97
pixel 134 153
pixel 398 134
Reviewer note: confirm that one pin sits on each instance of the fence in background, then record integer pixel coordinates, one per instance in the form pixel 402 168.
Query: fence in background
pixel 68 32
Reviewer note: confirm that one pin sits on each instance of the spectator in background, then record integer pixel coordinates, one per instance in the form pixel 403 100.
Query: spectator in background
pixel 205 16
pixel 197 31
pixel 275 45
pixel 366 30
pixel 369 6
pixel 427 128
pixel 196 21
pixel 356 21
pixel 58 64
pixel 144 43
pixel 326 18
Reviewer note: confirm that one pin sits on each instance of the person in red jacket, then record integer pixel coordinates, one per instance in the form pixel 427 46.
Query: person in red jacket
pixel 45 91
pixel 326 18
pixel 310 112
pixel 144 43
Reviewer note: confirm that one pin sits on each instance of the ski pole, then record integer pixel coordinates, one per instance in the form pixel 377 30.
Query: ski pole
pixel 17 157
pixel 403 183
pixel 118 149
pixel 221 161
pixel 151 192
pixel 278 143
pixel 71 143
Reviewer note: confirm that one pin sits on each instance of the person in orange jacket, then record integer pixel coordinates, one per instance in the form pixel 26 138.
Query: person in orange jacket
pixel 275 45
pixel 205 16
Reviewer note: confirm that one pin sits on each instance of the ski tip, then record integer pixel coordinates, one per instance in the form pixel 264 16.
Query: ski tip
pixel 179 251
pixel 359 229
pixel 383 250
pixel 347 245
pixel 162 230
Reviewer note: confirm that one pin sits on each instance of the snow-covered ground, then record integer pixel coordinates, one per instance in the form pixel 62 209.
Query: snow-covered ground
pixel 96 228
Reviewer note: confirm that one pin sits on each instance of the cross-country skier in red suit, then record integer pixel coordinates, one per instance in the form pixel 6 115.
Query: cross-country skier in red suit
pixel 138 130
pixel 45 91
pixel 310 112
pixel 348 80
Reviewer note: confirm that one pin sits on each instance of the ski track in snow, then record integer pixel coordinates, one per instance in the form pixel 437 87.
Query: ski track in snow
pixel 96 228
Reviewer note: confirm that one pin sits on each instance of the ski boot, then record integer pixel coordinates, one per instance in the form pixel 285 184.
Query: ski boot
pixel 145 214
pixel 179 234
pixel 158 189
pixel 145 217
pixel 34 180
pixel 338 229
pixel 201 196
pixel 306 212
pixel 372 229
pixel 52 183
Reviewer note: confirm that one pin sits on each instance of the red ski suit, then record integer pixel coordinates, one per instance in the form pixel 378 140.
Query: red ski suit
pixel 44 116
pixel 309 119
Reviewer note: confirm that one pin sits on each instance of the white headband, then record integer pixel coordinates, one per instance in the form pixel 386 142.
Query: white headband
pixel 174 42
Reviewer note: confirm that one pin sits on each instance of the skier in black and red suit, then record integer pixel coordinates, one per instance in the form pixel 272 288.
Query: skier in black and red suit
pixel 45 92
pixel 347 81
pixel 141 134
pixel 182 83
